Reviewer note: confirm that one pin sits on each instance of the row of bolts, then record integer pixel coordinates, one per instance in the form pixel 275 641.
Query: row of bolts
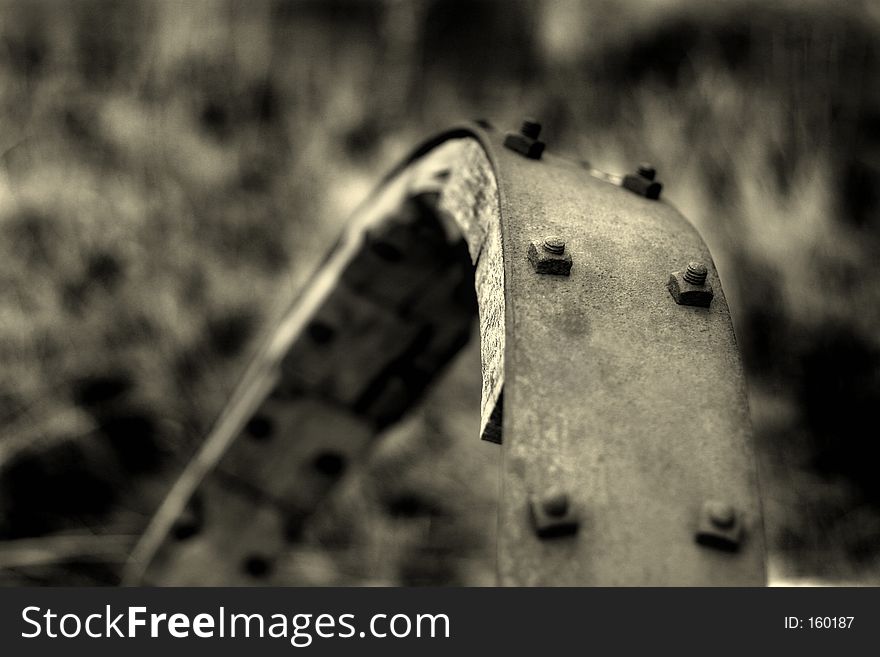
pixel 556 505
pixel 696 272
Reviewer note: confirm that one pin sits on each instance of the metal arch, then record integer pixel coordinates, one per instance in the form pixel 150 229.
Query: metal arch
pixel 616 397
pixel 625 418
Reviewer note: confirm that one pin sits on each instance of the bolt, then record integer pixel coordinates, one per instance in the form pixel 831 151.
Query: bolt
pixel 642 185
pixel 554 515
pixel 696 273
pixel 260 427
pixel 548 256
pixel 720 527
pixel 525 142
pixel 690 287
pixel 530 128
pixel 554 245
pixel 722 515
pixel 555 505
pixel 646 171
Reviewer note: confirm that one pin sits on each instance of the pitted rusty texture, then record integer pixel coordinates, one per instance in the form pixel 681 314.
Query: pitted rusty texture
pixel 471 197
pixel 632 404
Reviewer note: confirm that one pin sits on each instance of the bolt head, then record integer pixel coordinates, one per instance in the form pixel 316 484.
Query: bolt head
pixel 554 245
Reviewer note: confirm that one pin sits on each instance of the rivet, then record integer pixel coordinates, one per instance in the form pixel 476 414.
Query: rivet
pixel 696 273
pixel 554 245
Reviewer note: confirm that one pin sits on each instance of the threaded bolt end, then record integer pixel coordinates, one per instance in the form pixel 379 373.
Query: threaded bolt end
pixel 696 273
pixel 647 171
pixel 530 128
pixel 556 505
pixel 555 245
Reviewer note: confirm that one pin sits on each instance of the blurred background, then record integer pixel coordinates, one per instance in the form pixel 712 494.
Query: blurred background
pixel 170 171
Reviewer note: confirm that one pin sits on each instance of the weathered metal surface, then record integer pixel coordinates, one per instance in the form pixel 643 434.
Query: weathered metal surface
pixel 607 393
pixel 471 198
pixel 632 404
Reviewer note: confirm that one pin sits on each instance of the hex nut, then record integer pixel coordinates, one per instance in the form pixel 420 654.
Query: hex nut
pixel 688 294
pixel 525 146
pixel 720 527
pixel 551 518
pixel 642 186
pixel 546 262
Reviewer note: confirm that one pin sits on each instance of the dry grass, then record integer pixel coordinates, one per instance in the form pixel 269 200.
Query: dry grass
pixel 172 170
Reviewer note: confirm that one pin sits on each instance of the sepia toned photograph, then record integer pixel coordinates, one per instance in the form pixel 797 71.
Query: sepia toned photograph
pixel 435 293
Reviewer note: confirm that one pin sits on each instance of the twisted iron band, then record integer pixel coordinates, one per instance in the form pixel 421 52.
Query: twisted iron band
pixel 620 404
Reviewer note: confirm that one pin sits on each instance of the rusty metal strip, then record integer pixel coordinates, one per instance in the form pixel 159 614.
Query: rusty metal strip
pixel 626 421
pixel 627 454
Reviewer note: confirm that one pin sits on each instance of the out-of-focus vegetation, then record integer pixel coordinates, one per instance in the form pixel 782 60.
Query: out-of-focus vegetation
pixel 172 170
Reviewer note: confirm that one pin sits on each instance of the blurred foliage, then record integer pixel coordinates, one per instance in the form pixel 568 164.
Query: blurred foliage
pixel 172 170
